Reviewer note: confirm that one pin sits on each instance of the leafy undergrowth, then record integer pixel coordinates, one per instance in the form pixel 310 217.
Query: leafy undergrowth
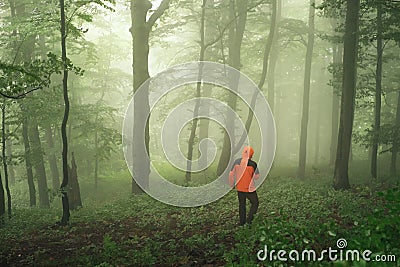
pixel 139 231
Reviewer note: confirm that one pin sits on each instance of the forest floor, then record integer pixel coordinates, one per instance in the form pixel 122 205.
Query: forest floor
pixel 139 231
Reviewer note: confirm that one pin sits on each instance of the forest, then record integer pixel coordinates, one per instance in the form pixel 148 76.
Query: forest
pixel 134 131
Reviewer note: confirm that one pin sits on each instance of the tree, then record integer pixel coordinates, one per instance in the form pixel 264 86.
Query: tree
pixel 63 188
pixel 396 148
pixel 198 94
pixel 274 58
pixel 336 83
pixel 55 176
pixel 4 157
pixel 378 90
pixel 38 164
pixel 306 94
pixel 236 31
pixel 140 31
pixel 340 178
pixel 2 202
pixel 267 51
pixel 210 32
pixel 66 66
pixel 28 164
pixel 74 192
pixel 9 155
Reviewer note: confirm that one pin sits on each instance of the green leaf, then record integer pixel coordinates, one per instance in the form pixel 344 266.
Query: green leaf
pixel 331 233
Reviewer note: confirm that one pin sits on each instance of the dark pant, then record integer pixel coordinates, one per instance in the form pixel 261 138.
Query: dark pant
pixel 252 196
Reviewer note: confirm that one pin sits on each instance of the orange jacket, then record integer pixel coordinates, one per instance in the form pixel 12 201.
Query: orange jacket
pixel 243 171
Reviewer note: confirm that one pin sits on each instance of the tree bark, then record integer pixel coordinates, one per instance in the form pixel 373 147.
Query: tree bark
pixel 2 202
pixel 274 59
pixel 210 32
pixel 188 174
pixel 55 175
pixel 317 134
pixel 268 47
pixel 9 157
pixel 341 178
pixel 337 78
pixel 235 43
pixel 140 31
pixel 306 94
pixel 140 35
pixel 378 93
pixel 64 184
pixel 5 165
pixel 38 164
pixel 28 162
pixel 395 149
pixel 74 192
pixel 96 157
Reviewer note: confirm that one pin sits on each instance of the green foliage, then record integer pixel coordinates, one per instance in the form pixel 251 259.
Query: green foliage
pixel 118 229
pixel 17 81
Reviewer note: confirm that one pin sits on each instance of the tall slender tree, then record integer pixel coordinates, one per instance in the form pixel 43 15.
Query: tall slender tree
pixel 198 94
pixel 4 157
pixel 64 184
pixel 28 158
pixel 210 31
pixel 237 9
pixel 267 52
pixel 306 93
pixel 9 154
pixel 336 83
pixel 274 58
pixel 38 164
pixel 140 31
pixel 396 144
pixel 341 178
pixel 55 176
pixel 2 202
pixel 378 90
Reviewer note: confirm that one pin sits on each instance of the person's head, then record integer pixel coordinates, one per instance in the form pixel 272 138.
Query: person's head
pixel 247 152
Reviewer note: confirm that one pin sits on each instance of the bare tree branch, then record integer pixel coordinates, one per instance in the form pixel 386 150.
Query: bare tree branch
pixel 20 96
pixel 159 11
pixel 229 24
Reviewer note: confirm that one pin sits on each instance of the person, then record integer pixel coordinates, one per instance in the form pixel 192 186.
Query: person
pixel 242 174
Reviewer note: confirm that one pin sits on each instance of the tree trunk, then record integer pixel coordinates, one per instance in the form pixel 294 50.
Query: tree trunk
pixel 317 134
pixel 9 157
pixel 74 192
pixel 274 59
pixel 28 162
pixel 204 126
pixel 96 158
pixel 306 94
pixel 140 31
pixel 378 93
pixel 337 81
pixel 140 36
pixel 395 149
pixel 268 47
pixel 2 202
pixel 192 135
pixel 341 178
pixel 210 32
pixel 235 43
pixel 38 164
pixel 64 184
pixel 5 165
pixel 27 47
pixel 55 176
